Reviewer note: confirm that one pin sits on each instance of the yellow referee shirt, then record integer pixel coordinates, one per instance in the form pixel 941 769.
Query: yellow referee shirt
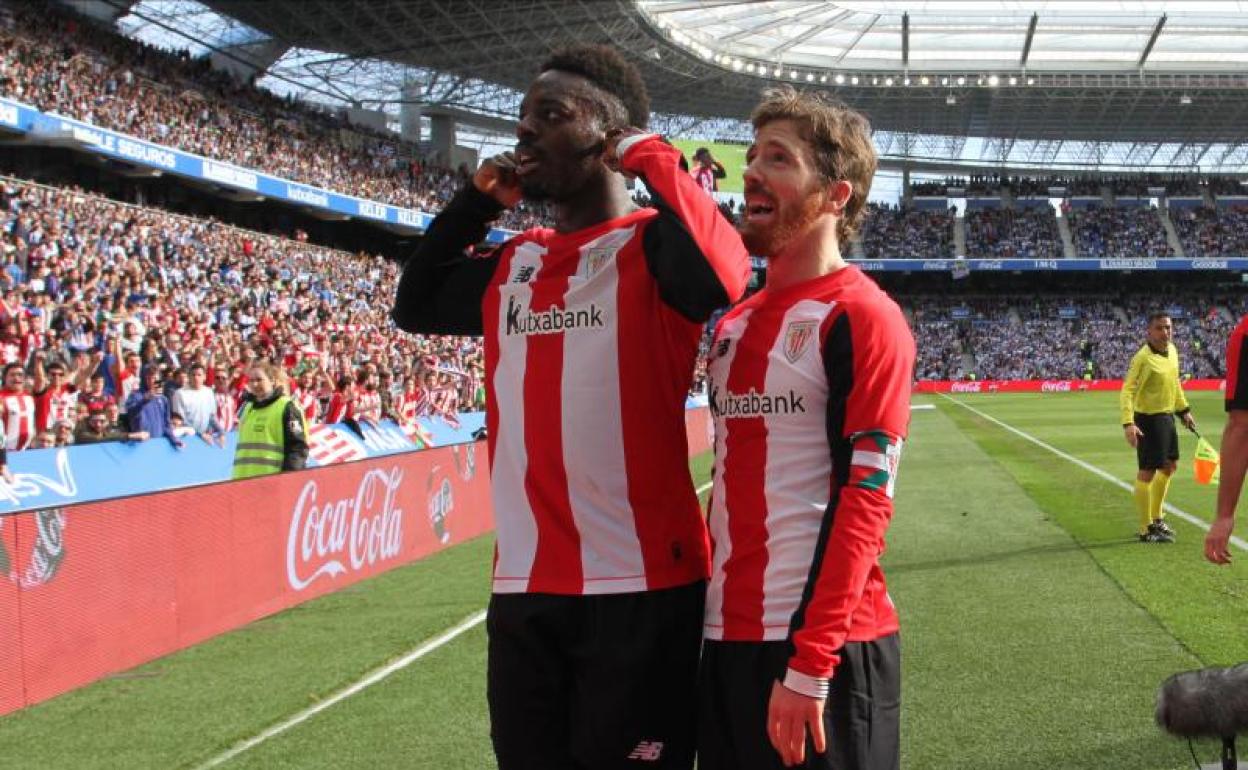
pixel 1152 385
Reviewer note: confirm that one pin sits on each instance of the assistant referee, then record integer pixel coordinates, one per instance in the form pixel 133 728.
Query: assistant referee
pixel 1151 397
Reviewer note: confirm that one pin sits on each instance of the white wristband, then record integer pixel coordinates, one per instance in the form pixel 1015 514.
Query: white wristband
pixel 804 684
pixel 629 141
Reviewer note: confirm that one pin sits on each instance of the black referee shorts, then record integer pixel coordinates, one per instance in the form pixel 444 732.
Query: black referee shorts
pixel 595 682
pixel 1159 445
pixel 861 718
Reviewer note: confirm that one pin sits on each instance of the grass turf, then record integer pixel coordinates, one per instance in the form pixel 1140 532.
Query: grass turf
pixel 1035 631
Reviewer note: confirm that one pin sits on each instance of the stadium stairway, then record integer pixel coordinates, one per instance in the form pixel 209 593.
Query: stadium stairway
pixel 1172 237
pixel 1068 241
pixel 959 237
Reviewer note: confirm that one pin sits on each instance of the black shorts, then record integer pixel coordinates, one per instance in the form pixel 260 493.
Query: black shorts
pixel 595 682
pixel 1159 445
pixel 861 718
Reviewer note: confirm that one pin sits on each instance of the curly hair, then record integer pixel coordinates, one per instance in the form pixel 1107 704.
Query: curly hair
pixel 607 69
pixel 839 138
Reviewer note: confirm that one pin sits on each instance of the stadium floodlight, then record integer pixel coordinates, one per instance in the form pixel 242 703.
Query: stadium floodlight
pixel 793 74
pixel 737 65
pixel 944 81
pixel 925 80
pixel 1031 81
pixel 951 100
pixel 1185 99
pixel 961 80
pixel 1013 80
pixel 993 81
pixel 823 78
pixel 875 81
pixel 810 77
pixel 888 81
pixel 776 72
pixel 839 78
pixel 854 80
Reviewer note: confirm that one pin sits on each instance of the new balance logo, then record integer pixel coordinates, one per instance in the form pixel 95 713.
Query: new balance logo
pixel 647 751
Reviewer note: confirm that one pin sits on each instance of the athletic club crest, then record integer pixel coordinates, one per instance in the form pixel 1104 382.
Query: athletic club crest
pixel 597 257
pixel 797 338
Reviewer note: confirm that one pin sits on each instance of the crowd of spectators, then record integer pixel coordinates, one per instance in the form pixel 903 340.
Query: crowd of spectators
pixel 1025 337
pixel 892 232
pixel 1131 232
pixel 999 233
pixel 63 66
pixel 114 306
pixel 1131 185
pixel 1212 233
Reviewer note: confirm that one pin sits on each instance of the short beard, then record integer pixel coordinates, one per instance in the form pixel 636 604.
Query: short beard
pixel 792 221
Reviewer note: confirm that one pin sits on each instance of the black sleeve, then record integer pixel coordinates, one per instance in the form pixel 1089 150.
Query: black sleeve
pixel 718 171
pixel 441 288
pixel 686 280
pixel 294 442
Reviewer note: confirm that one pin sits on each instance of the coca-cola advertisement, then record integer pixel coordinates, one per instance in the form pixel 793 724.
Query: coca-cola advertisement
pixel 1042 386
pixel 102 587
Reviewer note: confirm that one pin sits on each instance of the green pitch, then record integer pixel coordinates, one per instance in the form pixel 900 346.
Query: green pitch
pixel 731 155
pixel 1035 628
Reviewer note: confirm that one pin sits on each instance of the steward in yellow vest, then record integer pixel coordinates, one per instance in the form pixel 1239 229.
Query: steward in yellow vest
pixel 272 433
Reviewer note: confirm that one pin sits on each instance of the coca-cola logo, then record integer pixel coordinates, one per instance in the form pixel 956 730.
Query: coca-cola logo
pixel 465 460
pixel 1062 386
pixel 441 503
pixel 334 537
pixel 965 387
pixel 40 563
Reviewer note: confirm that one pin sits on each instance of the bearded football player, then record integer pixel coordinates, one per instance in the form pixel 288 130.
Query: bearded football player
pixel 810 394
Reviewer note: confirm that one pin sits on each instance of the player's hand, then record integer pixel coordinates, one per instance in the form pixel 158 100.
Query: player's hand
pixel 1189 421
pixel 1133 435
pixel 497 179
pixel 789 714
pixel 1217 542
pixel 611 152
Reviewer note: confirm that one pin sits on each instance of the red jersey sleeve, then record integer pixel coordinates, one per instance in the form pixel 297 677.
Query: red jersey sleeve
pixel 869 357
pixel 694 254
pixel 1237 367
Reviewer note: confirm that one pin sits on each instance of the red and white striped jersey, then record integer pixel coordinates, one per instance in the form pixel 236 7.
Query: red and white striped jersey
pixel 308 403
pixel 415 404
pixel 19 419
pixel 227 410
pixel 590 341
pixel 810 396
pixel 54 405
pixel 366 405
pixel 128 382
pixel 339 407
pixel 589 368
pixel 1237 367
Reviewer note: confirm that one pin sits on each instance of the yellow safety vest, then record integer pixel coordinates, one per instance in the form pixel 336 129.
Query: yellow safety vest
pixel 261 440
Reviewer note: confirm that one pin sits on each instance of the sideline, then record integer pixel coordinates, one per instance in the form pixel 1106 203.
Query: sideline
pixel 1182 514
pixel 368 680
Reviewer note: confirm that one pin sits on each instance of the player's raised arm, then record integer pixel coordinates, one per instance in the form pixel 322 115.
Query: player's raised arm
pixel 694 254
pixel 441 288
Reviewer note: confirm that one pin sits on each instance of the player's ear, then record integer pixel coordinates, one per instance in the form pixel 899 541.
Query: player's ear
pixel 837 195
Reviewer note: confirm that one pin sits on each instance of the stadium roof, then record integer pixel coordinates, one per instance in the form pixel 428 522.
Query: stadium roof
pixel 1128 84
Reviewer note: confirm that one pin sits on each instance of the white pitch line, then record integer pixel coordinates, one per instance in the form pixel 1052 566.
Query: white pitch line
pixel 367 681
pixel 1182 514
pixel 704 487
